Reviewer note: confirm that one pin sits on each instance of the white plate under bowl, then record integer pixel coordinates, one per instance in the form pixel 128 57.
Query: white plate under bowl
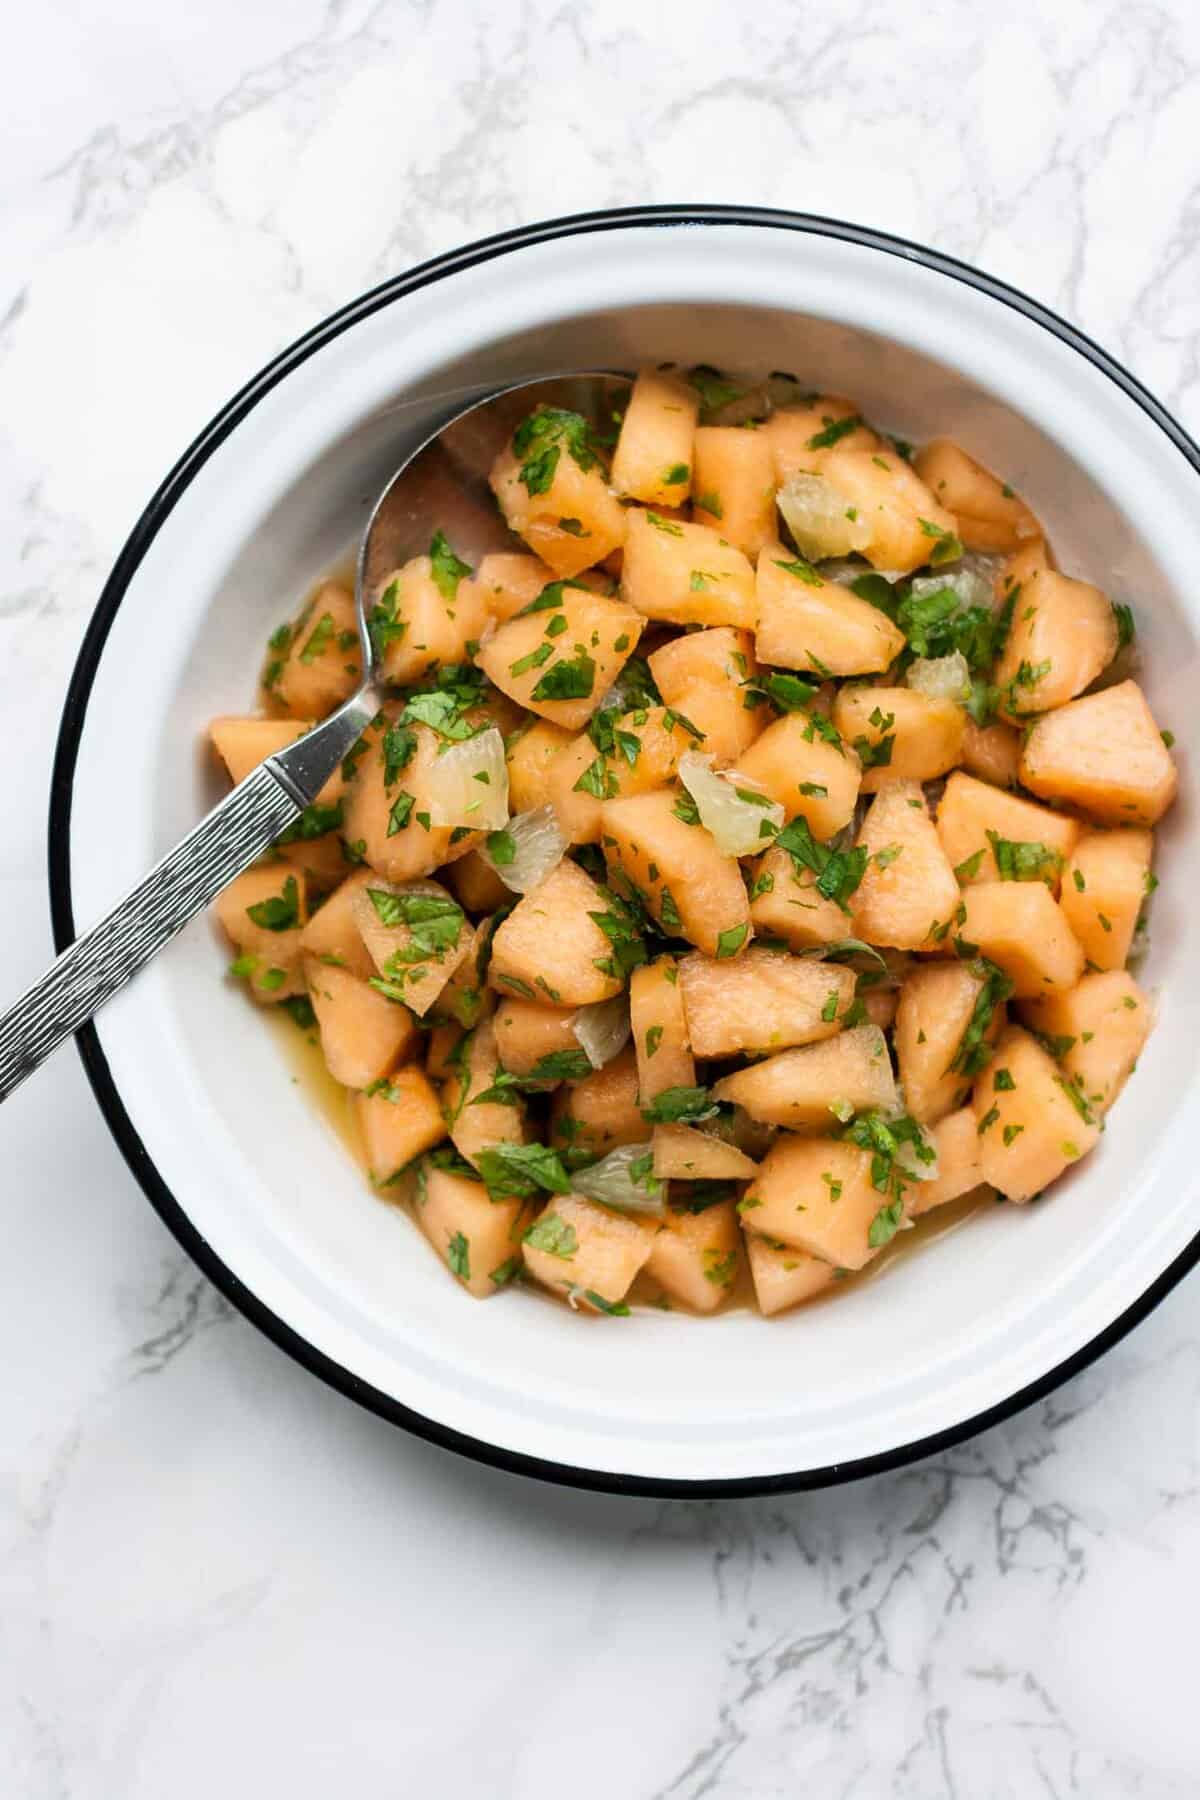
pixel 257 1187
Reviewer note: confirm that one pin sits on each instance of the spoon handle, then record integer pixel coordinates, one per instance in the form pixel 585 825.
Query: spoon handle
pixel 93 968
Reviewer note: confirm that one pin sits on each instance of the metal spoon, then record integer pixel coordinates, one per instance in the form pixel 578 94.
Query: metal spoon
pixel 443 483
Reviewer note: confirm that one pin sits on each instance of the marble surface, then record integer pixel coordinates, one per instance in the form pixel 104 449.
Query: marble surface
pixel 218 1577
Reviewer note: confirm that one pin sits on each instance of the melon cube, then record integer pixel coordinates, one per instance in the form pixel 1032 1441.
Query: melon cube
pixel 332 936
pixel 321 664
pixel 375 807
pixel 418 625
pixel 242 744
pixel 899 734
pixel 476 885
pixel 398 1122
pixel 992 752
pixel 785 903
pixel 363 1035
pixel 685 1153
pixel 1105 754
pixel 587 1254
pixel 806 622
pixel 526 1034
pixel 816 1194
pixel 765 1000
pixel 937 1003
pixel 417 935
pixel 904 522
pixel 1105 884
pixel 603 1110
pixel 957 1143
pixel 687 884
pixel 733 484
pixel 972 816
pixel 1098 1029
pixel 784 1276
pixel 478 1238
pixel 1032 1123
pixel 653 457
pixel 810 777
pixel 989 516
pixel 1063 633
pixel 685 574
pixel 1020 926
pixel 580 778
pixel 476 1124
pixel 696 1256
pixel 509 579
pixel 561 659
pixel 659 1029
pixel 800 437
pixel 263 913
pixel 552 490
pixel 529 758
pixel 908 896
pixel 809 1088
pixel 551 949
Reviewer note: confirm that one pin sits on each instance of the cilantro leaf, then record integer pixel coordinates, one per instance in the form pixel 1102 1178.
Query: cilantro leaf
pixel 448 570
pixel 280 912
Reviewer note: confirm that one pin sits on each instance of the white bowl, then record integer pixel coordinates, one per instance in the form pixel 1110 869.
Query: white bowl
pixel 203 1104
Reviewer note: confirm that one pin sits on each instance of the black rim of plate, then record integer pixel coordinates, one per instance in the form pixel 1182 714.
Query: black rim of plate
pixel 62 784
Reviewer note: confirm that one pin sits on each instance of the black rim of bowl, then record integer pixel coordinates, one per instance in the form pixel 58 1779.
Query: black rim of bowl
pixel 62 784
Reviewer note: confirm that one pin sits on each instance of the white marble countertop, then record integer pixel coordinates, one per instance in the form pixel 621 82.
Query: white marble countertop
pixel 217 1577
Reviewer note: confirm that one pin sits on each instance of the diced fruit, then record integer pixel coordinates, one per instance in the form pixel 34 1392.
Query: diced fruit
pixel 526 1034
pixel 529 760
pixel 475 1236
pixel 374 807
pixel 805 622
pixel 992 752
pixel 587 1254
pixel 398 1122
pixel 905 522
pixel 1032 1124
pixel 509 579
pixel 733 484
pixel 810 1088
pixel 464 999
pixel 685 574
pixel 416 935
pixel 653 457
pixel 816 1194
pixel 561 660
pixel 1099 1029
pixel 476 1124
pixel 550 947
pixel 552 490
pixel 476 885
pixel 416 626
pixel 647 746
pixel 1063 633
pixel 687 884
pixel 988 514
pixel 809 776
pixel 721 657
pixel 685 1153
pixel 363 1035
pixel 322 663
pixel 784 1276
pixel 1105 754
pixel 332 935
pixel 880 1004
pixel 263 914
pixel 899 734
pixel 659 1029
pixel 800 437
pixel 696 1256
pixel 725 725
pixel 785 903
pixel 441 1050
pixel 242 744
pixel 1020 926
pixel 960 1168
pixel 972 817
pixel 908 895
pixel 937 1004
pixel 1104 887
pixel 601 1111
pixel 765 1000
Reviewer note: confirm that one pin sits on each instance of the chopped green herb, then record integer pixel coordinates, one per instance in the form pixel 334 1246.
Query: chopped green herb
pixel 679 1103
pixel 573 680
pixel 280 912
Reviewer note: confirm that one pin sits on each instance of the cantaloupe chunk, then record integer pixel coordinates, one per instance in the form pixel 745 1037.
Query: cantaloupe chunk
pixel 696 1256
pixel 800 437
pixel 1104 886
pixel 784 1276
pixel 561 660
pixel 585 1253
pixel 320 663
pixel 1021 927
pixel 1063 633
pixel 418 625
pixel 1099 1027
pixel 733 485
pixel 653 457
pixel 332 935
pixel 416 935
pixel 1031 1123
pixel 580 778
pixel 960 1167
pixel 785 903
pixel 373 807
pixel 526 1034
pixel 476 885
pixel 601 1111
pixel 685 574
pixel 810 1088
pixel 242 744
pixel 805 622
pixel 528 757
pixel 899 734
pixel 398 1122
pixel 363 1035
pixel 705 675
pixel 553 491
pixel 810 777
pixel 685 1153
pixel 322 859
pixel 992 752
pixel 659 1028
pixel 765 1000
pixel 908 895
pixel 880 1005
pixel 442 1049
pixel 816 1194
pixel 509 579
pixel 905 521
pixel 725 724
pixel 972 812
pixel 475 1124
pixel 478 1238
pixel 263 913
pixel 685 881
pixel 1104 754
pixel 937 1003
pixel 1031 560
pixel 989 515
pixel 465 998
pixel 550 948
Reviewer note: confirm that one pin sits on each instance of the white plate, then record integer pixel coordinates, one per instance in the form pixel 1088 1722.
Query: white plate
pixel 205 1108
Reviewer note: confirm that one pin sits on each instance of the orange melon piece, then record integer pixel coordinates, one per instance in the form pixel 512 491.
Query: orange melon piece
pixel 659 1029
pixel 733 484
pixel 571 521
pixel 527 1033
pixel 578 1249
pixel 936 1005
pixel 908 894
pixel 969 810
pixel 816 1195
pixel 529 758
pixel 687 884
pixel 1029 1126
pixel 808 1089
pixel 363 1035
pixel 653 457
pixel 696 1256
pixel 436 627
pixel 549 947
pixel 398 1122
pixel 685 574
pixel 416 935
pixel 475 1124
pixel 992 752
pixel 242 744
pixel 441 1049
pixel 783 1276
pixel 960 1167
pixel 1100 1028
pixel 808 776
pixel 1104 886
pixel 764 1000
pixel 509 579
pixel 905 521
pixel 1063 633
pixel 685 1153
pixel 799 436
pixel 880 1005
pixel 322 663
pixel 478 1238
pixel 725 725
pixel 412 850
pixel 1105 754
pixel 601 1111
pixel 332 936
pixel 1020 926
pixel 785 903
pixel 580 778
pixel 722 657
pixel 989 515
pixel 899 733
pixel 561 660
pixel 476 885
pixel 805 622
pixel 263 913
